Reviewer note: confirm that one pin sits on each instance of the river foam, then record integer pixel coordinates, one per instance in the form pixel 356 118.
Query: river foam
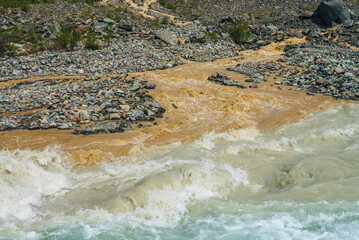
pixel 299 180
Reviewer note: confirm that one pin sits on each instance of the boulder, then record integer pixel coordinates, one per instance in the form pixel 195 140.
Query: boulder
pixel 99 25
pixel 109 21
pixel 167 37
pixel 126 26
pixel 53 29
pixel 198 37
pixel 332 11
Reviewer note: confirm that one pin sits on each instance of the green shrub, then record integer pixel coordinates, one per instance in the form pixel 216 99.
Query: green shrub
pixel 166 4
pixel 89 2
pixel 163 2
pixel 171 5
pixel 109 33
pixel 91 41
pixel 67 37
pixel 3 43
pixel 213 35
pixel 156 20
pixel 240 32
pixel 23 4
pixel 165 20
pixel 32 36
pixel 122 9
pixel 17 35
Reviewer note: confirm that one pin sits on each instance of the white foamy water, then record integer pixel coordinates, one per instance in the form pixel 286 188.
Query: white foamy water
pixel 298 182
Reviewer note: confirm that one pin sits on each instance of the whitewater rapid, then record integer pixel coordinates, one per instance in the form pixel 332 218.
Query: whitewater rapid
pixel 300 181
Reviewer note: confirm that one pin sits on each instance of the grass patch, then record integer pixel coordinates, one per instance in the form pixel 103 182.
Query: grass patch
pixel 23 4
pixel 311 7
pixel 67 37
pixel 16 35
pixel 167 4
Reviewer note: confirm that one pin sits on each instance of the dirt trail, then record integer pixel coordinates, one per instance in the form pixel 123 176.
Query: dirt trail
pixel 194 106
pixel 144 9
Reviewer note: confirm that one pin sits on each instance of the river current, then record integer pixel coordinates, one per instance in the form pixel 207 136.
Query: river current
pixel 300 181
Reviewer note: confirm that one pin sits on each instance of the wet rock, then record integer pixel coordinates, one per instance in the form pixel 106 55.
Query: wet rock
pixel 223 80
pixel 107 127
pixel 150 86
pixel 138 115
pixel 155 105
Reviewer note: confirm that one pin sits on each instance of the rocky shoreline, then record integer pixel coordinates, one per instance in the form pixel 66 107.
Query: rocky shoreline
pixel 101 99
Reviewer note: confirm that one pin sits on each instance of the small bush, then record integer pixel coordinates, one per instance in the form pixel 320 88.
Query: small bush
pixel 165 20
pixel 23 4
pixel 171 5
pixel 213 35
pixel 67 37
pixel 123 9
pixel 3 43
pixel 33 37
pixel 310 7
pixel 91 41
pixel 166 4
pixel 240 33
pixel 163 2
pixel 156 20
pixel 109 34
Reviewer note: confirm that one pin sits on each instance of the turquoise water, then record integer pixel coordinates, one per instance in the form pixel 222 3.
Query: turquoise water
pixel 222 220
pixel 298 182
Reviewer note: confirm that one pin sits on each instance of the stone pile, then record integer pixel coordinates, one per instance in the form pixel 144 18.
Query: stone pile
pixel 331 70
pixel 224 80
pixel 65 105
pixel 256 69
pixel 121 57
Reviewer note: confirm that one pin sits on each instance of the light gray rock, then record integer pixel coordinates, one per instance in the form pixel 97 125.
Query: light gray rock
pixel 167 36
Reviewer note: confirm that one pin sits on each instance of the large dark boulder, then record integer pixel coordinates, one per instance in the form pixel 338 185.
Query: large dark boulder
pixel 331 11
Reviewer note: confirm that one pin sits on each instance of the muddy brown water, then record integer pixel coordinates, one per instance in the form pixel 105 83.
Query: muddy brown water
pixel 201 106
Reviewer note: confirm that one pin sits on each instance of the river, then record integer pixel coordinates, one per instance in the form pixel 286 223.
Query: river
pixel 299 181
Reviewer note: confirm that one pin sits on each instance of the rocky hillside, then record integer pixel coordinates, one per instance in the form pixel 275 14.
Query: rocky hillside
pixel 141 35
